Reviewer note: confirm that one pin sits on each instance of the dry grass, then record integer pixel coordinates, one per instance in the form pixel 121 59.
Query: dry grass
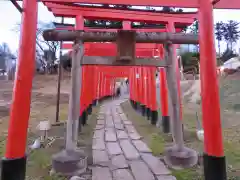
pixel 230 114
pixel 43 107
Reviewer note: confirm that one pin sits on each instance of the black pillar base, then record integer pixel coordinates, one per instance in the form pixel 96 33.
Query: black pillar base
pixel 83 118
pixel 89 109
pixel 135 105
pixel 154 117
pixel 214 168
pixel 143 109
pixel 131 102
pixel 166 124
pixel 148 112
pixel 138 109
pixel 94 103
pixel 13 169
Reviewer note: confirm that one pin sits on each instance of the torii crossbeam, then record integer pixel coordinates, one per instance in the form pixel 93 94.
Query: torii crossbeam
pixel 222 4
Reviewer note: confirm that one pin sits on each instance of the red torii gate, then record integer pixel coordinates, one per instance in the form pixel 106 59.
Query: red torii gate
pixel 91 13
pixel 214 160
pixel 169 19
pixel 83 12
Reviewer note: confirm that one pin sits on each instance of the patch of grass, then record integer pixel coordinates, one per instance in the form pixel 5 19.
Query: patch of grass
pixel 187 174
pixel 85 137
pixel 232 153
pixel 236 107
pixel 2 148
pixel 39 161
pixel 157 144
pixel 231 143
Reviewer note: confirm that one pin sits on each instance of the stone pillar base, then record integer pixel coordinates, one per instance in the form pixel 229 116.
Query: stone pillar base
pixel 179 159
pixel 69 163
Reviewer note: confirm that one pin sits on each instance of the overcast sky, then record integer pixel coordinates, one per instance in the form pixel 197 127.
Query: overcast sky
pixel 9 17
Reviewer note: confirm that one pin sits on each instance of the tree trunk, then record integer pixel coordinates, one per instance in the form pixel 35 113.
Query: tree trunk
pixel 231 45
pixel 219 50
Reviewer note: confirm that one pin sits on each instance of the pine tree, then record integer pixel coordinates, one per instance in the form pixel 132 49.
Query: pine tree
pixel 219 34
pixel 231 33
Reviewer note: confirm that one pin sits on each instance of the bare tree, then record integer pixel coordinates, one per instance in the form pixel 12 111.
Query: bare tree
pixel 49 48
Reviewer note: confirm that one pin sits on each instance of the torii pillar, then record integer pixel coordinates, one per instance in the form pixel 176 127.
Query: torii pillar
pixel 13 165
pixel 214 159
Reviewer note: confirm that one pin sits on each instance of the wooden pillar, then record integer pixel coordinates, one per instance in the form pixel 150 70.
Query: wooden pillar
pixel 74 99
pixel 171 28
pixel 174 98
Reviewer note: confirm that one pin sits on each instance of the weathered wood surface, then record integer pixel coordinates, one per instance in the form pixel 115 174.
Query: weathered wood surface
pixel 155 37
pixel 111 61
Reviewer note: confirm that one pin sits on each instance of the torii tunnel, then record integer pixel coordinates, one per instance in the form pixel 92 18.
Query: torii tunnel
pixel 102 72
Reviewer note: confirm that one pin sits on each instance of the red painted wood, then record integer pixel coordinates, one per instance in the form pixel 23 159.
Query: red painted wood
pixel 115 30
pixel 213 141
pixel 222 4
pixel 20 108
pixel 120 16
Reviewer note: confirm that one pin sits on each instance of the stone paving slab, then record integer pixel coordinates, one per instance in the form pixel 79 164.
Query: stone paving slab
pixel 98 144
pixel 114 148
pixel 118 151
pixel 119 126
pixel 122 174
pixel 123 117
pixel 101 122
pixel 134 136
pixel 122 135
pixel 117 119
pixel 141 171
pixel 99 126
pixel 99 134
pixel 101 173
pixel 100 158
pixel 127 122
pixel 118 162
pixel 130 128
pixel 157 167
pixel 100 116
pixel 109 122
pixel 110 136
pixel 166 178
pixel 129 150
pixel 141 146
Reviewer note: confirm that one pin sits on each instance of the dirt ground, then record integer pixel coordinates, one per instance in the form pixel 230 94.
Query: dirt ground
pixel 43 107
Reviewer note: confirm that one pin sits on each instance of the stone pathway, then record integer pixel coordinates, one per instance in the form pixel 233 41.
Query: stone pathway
pixel 118 151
